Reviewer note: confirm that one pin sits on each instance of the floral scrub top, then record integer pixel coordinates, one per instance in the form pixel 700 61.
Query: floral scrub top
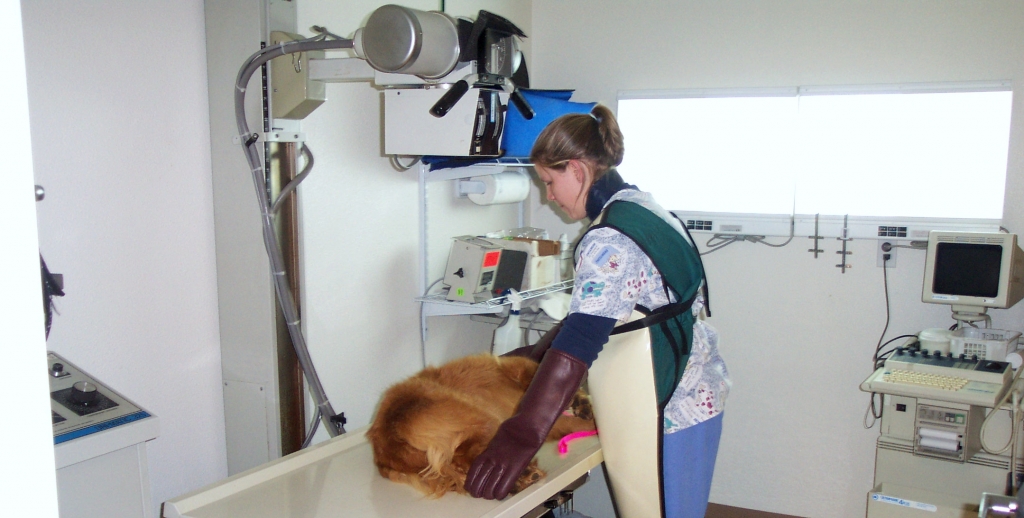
pixel 613 275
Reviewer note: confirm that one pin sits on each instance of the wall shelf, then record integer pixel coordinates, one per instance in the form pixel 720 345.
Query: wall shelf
pixel 477 169
pixel 436 304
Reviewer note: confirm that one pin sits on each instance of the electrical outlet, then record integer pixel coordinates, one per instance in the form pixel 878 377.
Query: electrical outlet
pixel 882 245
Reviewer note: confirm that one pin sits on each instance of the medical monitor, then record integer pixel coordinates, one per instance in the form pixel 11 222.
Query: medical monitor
pixel 973 271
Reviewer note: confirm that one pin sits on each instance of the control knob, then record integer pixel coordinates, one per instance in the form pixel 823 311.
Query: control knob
pixel 84 393
pixel 57 370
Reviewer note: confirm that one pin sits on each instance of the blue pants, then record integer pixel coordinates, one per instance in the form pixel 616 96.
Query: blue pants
pixel 688 459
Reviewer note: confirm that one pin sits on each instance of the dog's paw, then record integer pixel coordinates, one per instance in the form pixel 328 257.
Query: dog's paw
pixel 581 406
pixel 531 474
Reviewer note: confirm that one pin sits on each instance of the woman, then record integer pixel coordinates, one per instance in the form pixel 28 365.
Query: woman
pixel 635 255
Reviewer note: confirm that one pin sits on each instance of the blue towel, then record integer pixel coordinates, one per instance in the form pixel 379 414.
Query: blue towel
pixel 520 134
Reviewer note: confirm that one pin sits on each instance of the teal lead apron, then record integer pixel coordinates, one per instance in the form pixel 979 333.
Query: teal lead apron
pixel 681 270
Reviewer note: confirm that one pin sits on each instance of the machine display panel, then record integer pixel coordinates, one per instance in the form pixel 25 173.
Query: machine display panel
pixel 967 269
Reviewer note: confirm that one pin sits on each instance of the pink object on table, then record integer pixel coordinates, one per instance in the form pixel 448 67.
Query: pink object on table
pixel 563 445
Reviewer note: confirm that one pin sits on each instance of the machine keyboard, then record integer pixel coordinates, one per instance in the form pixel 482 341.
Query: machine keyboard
pixel 941 378
pixel 927 379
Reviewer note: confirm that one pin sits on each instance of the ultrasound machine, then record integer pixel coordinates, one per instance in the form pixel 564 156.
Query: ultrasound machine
pixel 949 415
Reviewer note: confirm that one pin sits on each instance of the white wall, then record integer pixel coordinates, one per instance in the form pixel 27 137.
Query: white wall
pixel 797 334
pixel 28 483
pixel 120 138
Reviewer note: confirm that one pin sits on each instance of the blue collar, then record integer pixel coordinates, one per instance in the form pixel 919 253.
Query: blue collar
pixel 603 190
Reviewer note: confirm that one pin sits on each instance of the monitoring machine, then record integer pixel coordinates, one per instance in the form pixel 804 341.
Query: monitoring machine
pixel 949 415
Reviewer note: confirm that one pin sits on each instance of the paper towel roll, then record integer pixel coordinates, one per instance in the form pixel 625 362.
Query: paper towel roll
pixel 504 187
pixel 940 444
pixel 939 434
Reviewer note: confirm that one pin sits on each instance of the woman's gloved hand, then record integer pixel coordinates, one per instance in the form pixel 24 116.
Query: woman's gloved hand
pixel 494 473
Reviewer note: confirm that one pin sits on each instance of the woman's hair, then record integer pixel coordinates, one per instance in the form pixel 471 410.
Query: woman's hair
pixel 593 138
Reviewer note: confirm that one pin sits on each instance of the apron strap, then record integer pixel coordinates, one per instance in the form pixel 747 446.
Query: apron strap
pixel 657 316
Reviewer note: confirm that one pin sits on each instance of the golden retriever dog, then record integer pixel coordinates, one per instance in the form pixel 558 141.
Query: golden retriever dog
pixel 430 427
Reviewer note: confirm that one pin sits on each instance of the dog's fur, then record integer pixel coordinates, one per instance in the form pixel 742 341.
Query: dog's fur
pixel 430 427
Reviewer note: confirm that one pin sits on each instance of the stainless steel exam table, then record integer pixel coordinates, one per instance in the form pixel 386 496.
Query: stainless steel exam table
pixel 337 478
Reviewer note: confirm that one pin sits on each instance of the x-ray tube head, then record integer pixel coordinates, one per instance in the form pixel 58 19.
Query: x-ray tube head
pixel 400 40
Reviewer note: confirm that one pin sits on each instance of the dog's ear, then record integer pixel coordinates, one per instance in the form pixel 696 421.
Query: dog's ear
pixel 519 370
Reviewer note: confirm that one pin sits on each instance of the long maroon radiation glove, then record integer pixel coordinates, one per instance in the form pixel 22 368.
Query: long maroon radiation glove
pixel 494 473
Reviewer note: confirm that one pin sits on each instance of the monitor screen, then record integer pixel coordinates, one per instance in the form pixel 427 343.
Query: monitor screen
pixel 973 271
pixel 967 269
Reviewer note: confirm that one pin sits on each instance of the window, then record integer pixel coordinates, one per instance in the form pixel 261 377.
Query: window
pixel 890 157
